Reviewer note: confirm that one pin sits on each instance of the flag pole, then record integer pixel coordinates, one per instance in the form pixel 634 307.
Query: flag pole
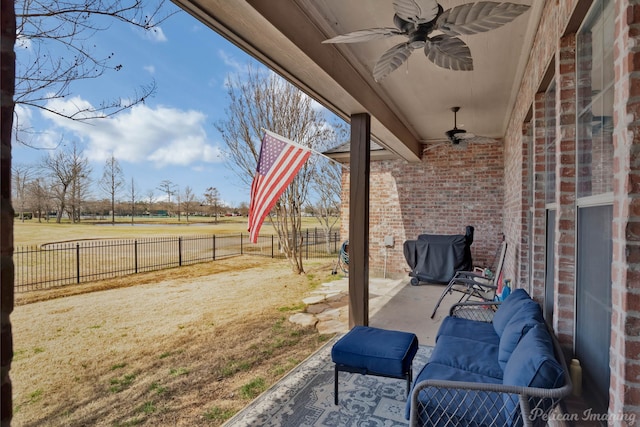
pixel 295 144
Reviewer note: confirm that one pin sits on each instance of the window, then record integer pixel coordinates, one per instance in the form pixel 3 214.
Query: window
pixel 595 80
pixel 594 197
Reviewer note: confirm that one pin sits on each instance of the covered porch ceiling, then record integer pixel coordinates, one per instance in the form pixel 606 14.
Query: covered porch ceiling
pixel 411 106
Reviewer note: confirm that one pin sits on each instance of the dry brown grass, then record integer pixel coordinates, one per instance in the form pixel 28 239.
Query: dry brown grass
pixel 180 347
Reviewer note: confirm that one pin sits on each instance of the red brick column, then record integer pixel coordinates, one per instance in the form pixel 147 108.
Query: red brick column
pixel 538 220
pixel 526 207
pixel 625 318
pixel 565 250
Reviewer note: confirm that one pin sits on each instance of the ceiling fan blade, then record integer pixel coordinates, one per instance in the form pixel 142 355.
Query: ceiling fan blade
pixel 475 139
pixel 449 52
pixel 391 60
pixel 434 146
pixel 465 135
pixel 461 135
pixel 365 35
pixel 474 18
pixel 416 11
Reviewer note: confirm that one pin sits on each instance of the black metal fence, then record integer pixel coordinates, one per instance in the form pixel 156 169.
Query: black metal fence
pixel 59 264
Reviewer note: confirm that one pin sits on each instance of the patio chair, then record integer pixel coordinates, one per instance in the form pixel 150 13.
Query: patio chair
pixel 478 283
pixel 343 259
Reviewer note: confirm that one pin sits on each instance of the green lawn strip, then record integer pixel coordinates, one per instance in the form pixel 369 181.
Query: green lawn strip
pixel 218 414
pixel 157 388
pixel 176 372
pixel 253 388
pixel 122 383
pixel 147 408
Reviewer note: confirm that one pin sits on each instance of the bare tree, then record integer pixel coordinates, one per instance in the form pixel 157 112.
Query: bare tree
pixel 61 173
pixel 168 188
pixel 260 101
pixel 80 188
pixel 112 182
pixel 132 199
pixel 327 184
pixel 67 169
pixel 55 50
pixel 39 198
pixel 21 178
pixel 243 209
pixel 150 199
pixel 179 202
pixel 212 199
pixel 189 202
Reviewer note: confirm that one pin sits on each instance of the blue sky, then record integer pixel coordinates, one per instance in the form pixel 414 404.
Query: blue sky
pixel 172 135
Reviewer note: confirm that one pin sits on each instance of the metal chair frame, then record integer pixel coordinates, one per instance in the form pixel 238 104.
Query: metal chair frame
pixel 473 284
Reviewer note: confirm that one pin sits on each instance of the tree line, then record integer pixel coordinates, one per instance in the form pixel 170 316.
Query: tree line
pixel 61 186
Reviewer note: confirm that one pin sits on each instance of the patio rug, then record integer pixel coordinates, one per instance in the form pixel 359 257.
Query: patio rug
pixel 304 397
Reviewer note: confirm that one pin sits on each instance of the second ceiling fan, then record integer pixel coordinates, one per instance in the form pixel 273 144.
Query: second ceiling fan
pixel 460 137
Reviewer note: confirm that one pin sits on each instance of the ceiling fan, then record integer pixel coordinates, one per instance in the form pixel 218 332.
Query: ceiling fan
pixel 417 19
pixel 460 137
pixel 455 135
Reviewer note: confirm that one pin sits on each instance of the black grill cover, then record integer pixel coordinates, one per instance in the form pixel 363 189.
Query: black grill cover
pixel 435 258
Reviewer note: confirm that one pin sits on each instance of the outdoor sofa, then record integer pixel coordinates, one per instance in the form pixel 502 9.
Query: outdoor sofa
pixel 494 364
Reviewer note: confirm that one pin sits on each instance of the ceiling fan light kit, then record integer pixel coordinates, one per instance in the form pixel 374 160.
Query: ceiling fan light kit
pixel 455 135
pixel 417 19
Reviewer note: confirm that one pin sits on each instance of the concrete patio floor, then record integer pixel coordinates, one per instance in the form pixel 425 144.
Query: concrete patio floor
pixel 393 304
pixel 408 308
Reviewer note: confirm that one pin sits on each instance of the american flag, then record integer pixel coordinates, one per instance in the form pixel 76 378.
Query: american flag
pixel 279 162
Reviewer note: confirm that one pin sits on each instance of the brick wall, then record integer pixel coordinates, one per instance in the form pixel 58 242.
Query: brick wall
pixel 565 192
pixel 451 188
pixel 625 320
pixel 551 43
pixel 537 267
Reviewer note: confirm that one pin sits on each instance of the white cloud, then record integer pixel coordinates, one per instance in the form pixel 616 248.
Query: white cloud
pixel 231 62
pixel 162 135
pixel 155 34
pixel 71 107
pixel 151 69
pixel 22 116
pixel 27 133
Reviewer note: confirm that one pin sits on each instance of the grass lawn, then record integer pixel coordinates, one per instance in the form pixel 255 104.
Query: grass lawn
pixel 32 232
pixel 181 347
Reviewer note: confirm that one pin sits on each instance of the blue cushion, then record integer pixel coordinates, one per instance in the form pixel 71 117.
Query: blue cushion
pixel 533 363
pixel 378 351
pixel 467 354
pixel 508 308
pixel 471 329
pixel 464 408
pixel 528 315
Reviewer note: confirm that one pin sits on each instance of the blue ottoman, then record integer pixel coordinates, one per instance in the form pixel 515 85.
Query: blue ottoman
pixel 373 351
